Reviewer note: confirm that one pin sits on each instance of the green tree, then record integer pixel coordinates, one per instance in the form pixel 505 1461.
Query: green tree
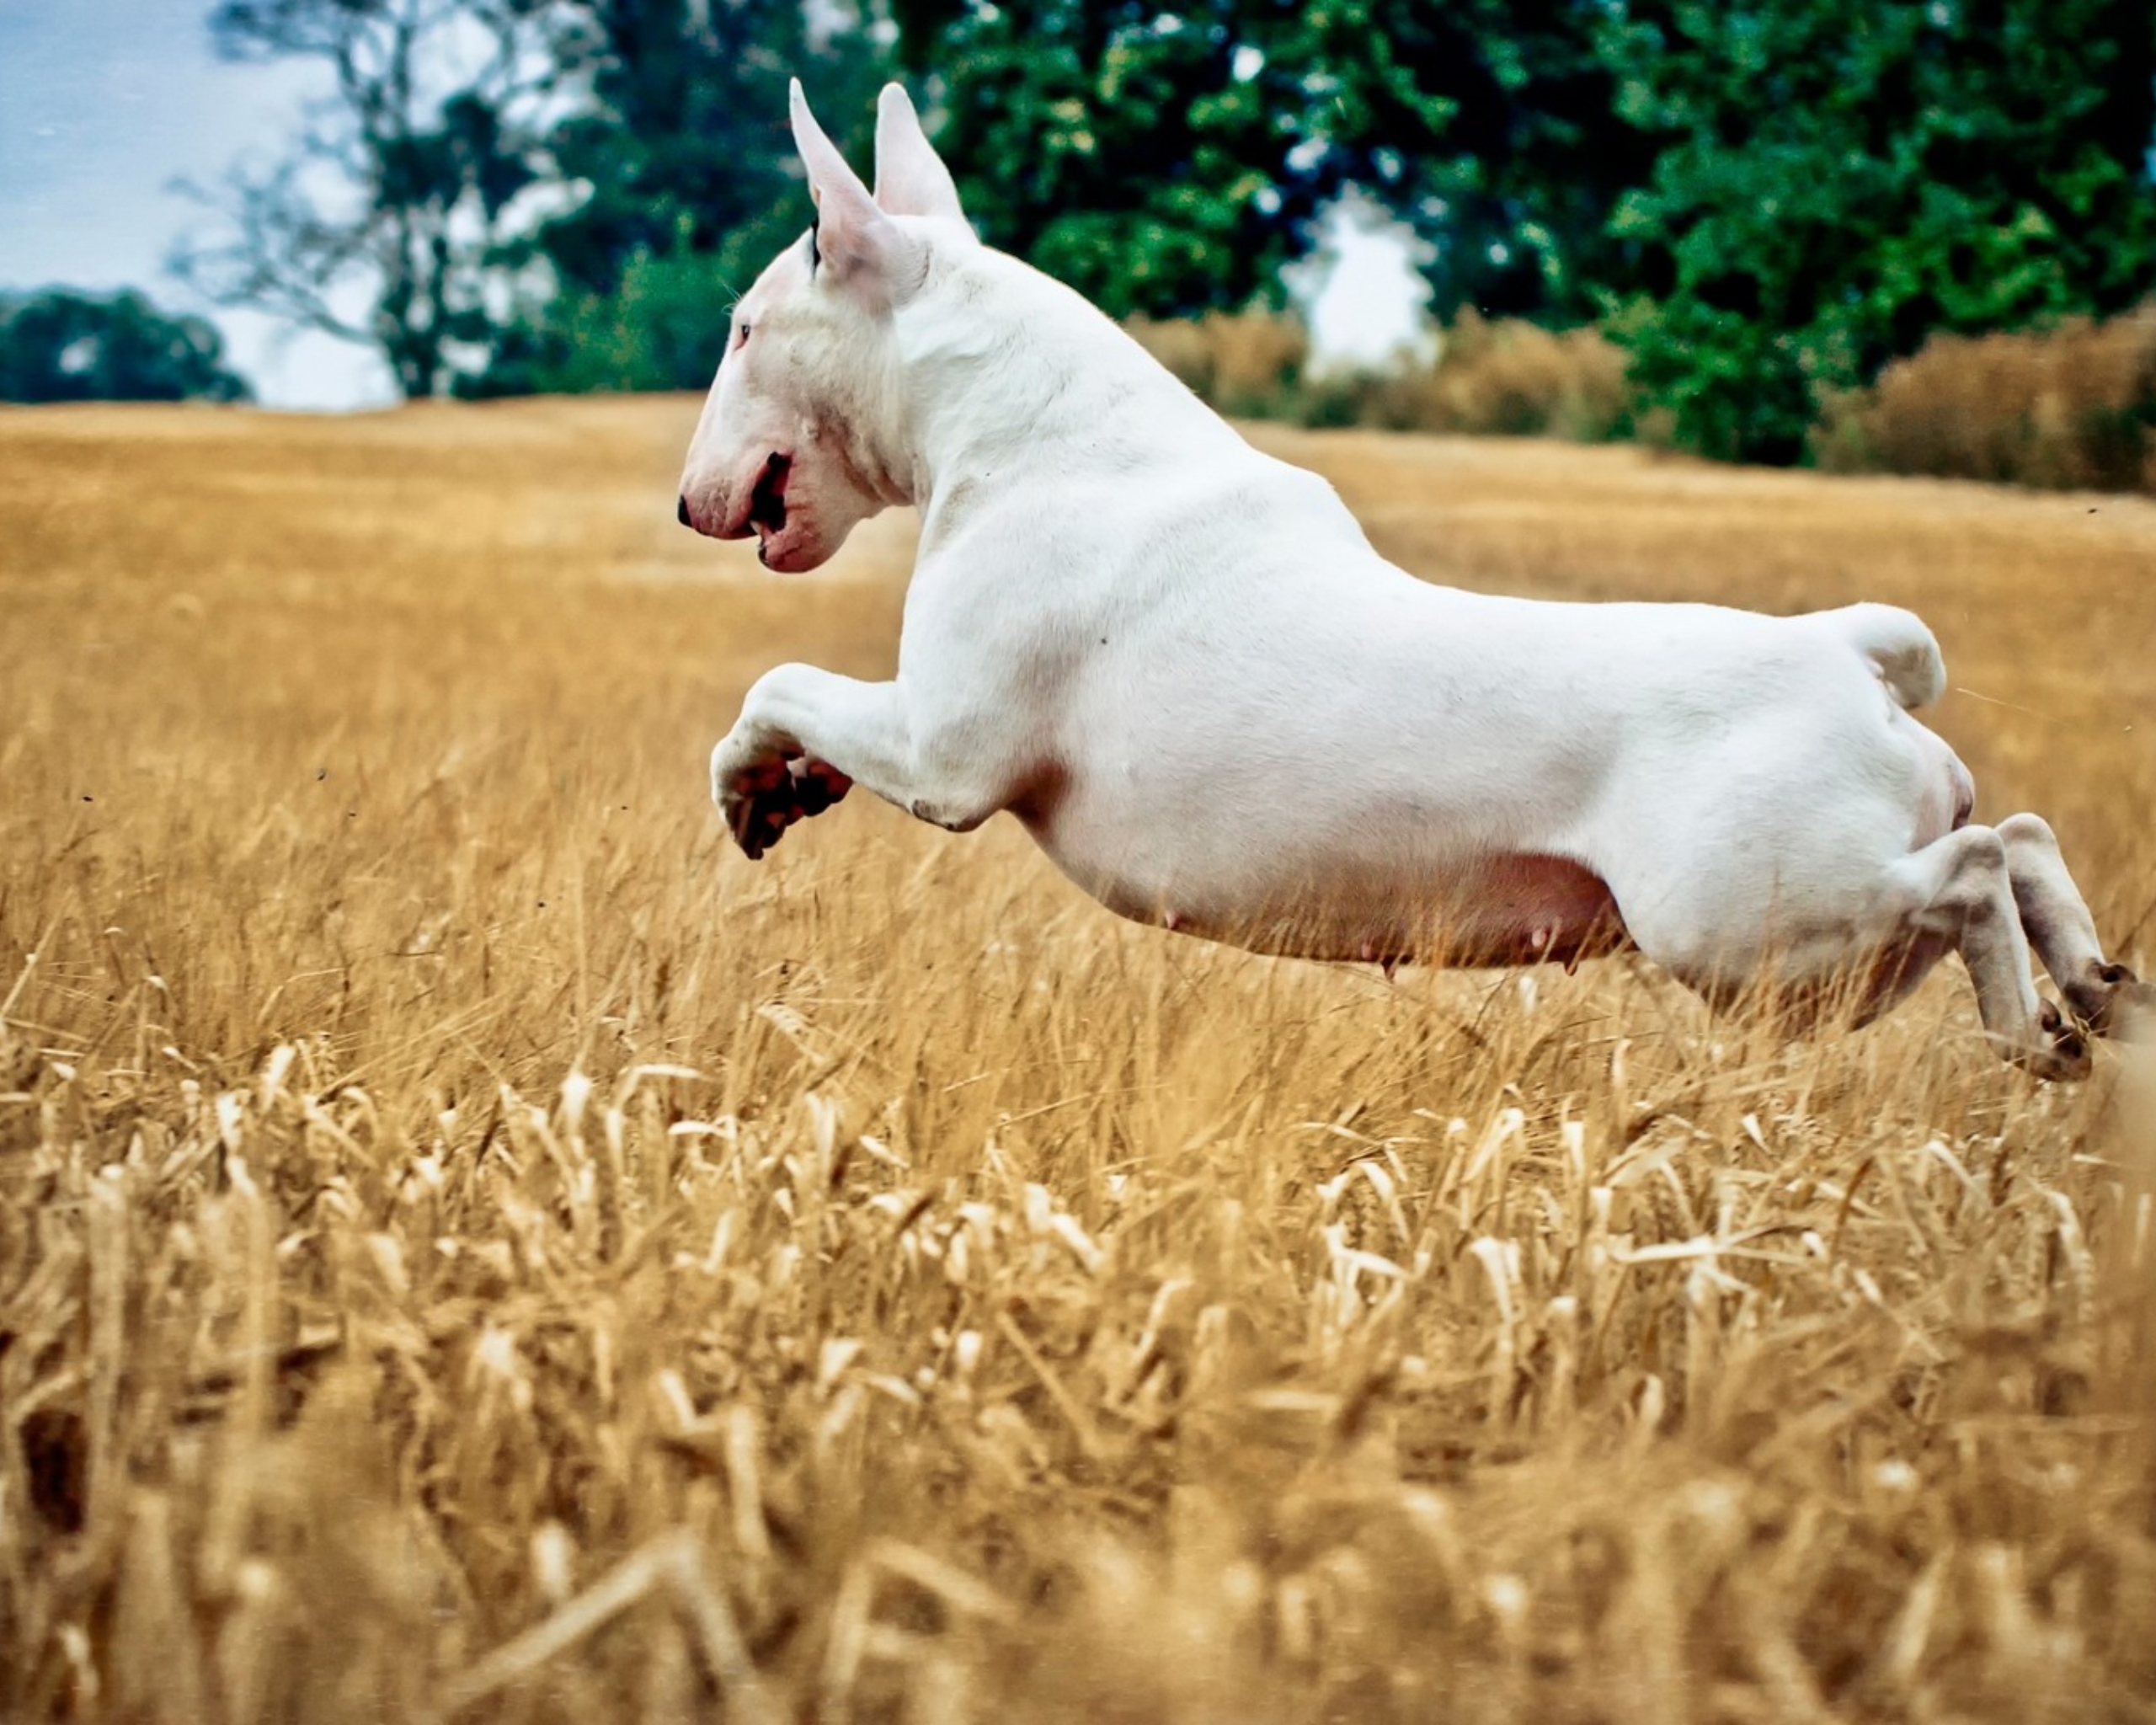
pixel 1490 127
pixel 1138 154
pixel 1169 161
pixel 677 143
pixel 60 344
pixel 660 326
pixel 1845 177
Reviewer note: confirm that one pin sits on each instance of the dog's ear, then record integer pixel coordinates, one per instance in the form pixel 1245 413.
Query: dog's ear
pixel 910 177
pixel 855 240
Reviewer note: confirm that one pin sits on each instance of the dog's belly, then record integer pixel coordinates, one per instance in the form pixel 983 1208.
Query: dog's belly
pixel 1490 909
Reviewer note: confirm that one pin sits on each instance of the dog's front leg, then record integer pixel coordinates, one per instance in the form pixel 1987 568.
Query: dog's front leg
pixel 805 737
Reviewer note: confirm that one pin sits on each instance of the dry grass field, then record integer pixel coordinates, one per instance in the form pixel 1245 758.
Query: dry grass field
pixel 473 1248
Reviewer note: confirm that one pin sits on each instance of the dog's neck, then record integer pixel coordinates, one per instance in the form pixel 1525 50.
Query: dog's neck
pixel 1003 371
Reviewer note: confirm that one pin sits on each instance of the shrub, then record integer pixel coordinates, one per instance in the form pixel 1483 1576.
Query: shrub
pixel 2073 407
pixel 1504 378
pixel 67 345
pixel 1509 379
pixel 1250 364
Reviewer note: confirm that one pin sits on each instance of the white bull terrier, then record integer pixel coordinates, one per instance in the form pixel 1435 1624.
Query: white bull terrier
pixel 1180 662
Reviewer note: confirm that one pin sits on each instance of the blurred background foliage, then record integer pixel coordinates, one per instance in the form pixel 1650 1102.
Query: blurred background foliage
pixel 1840 180
pixel 1756 229
pixel 61 345
pixel 672 138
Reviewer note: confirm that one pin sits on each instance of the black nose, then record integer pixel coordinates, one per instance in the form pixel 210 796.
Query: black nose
pixel 681 511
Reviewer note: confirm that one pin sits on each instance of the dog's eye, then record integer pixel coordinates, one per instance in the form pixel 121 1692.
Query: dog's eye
pixel 741 339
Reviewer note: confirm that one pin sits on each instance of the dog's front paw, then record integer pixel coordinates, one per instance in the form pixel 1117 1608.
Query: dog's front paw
pixel 757 803
pixel 817 784
pixel 763 795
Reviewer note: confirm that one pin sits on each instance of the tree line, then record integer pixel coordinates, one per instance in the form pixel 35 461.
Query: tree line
pixel 1762 201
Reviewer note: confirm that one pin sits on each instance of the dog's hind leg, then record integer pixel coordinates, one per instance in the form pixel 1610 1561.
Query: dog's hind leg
pixel 2109 998
pixel 1878 924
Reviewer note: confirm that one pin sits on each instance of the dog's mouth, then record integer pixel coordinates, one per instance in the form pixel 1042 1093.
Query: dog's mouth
pixel 767 502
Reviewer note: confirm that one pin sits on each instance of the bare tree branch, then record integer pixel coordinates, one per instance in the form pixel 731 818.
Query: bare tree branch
pixel 388 215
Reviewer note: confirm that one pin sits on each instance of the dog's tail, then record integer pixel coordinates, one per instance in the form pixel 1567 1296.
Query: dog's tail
pixel 1901 649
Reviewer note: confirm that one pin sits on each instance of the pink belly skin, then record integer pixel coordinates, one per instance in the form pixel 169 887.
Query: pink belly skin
pixel 1528 909
pixel 1520 909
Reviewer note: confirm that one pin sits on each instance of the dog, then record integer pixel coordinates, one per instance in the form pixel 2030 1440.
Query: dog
pixel 1179 662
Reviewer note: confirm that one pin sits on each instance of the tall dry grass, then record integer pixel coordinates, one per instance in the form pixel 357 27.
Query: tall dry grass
pixel 1503 377
pixel 1491 377
pixel 2072 408
pixel 2069 408
pixel 1250 364
pixel 472 1247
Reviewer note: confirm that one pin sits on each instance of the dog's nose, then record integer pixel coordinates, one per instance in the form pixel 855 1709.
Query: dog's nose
pixel 681 511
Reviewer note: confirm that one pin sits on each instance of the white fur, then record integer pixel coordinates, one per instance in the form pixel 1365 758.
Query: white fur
pixel 1181 663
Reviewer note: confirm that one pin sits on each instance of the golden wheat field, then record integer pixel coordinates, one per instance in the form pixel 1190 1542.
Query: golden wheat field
pixel 474 1247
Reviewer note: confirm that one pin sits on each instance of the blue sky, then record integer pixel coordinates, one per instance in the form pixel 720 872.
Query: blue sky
pixel 103 103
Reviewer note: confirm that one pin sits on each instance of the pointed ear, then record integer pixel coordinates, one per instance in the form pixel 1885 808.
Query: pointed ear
pixel 910 177
pixel 854 239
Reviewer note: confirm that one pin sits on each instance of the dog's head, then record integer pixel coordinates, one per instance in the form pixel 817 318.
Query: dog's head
pixel 803 435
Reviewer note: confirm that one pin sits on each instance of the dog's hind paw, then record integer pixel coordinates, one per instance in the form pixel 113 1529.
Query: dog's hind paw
pixel 2121 1005
pixel 2061 1052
